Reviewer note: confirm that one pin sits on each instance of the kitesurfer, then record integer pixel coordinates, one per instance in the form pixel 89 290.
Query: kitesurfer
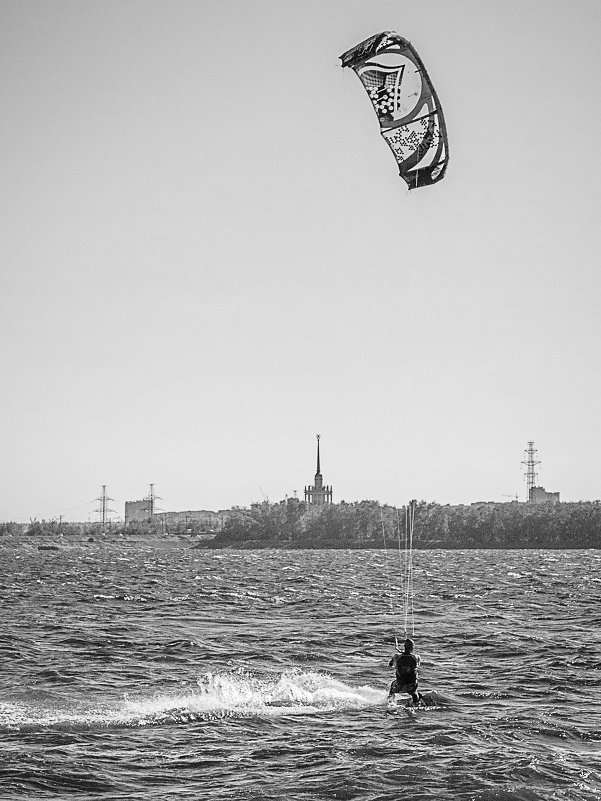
pixel 406 680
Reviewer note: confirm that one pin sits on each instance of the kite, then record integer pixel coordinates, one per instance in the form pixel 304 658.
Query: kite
pixel 408 109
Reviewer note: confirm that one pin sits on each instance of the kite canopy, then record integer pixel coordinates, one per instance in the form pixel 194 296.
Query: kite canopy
pixel 408 109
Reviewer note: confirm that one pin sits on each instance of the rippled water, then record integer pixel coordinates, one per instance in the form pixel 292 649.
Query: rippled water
pixel 156 670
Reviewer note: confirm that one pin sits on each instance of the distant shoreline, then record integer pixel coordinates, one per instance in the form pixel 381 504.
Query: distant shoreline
pixel 294 525
pixel 187 543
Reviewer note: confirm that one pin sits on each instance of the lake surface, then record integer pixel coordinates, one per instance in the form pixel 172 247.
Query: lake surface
pixel 141 670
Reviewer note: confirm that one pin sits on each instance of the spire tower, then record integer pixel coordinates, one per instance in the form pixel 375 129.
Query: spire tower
pixel 317 494
pixel 318 468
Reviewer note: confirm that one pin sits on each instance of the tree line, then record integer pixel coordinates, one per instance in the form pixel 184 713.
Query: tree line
pixel 368 524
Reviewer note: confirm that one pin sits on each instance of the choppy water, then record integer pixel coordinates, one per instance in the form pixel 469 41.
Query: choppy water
pixel 154 670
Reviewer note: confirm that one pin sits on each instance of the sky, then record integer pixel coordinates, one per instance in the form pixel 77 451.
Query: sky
pixel 208 256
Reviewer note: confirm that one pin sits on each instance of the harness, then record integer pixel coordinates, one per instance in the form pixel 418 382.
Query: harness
pixel 406 668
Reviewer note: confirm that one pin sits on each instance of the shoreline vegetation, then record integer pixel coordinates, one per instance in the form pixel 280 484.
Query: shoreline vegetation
pixel 293 524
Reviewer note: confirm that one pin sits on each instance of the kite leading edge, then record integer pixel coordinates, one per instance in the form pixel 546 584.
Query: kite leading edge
pixel 408 109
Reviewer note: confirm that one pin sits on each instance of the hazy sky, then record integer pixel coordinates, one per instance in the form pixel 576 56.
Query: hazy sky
pixel 208 256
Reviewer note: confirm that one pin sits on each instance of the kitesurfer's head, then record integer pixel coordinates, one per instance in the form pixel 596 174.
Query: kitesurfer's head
pixel 408 645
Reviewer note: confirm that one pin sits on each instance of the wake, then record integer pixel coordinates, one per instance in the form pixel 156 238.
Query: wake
pixel 230 695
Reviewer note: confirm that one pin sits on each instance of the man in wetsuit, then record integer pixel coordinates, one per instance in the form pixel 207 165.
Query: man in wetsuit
pixel 405 665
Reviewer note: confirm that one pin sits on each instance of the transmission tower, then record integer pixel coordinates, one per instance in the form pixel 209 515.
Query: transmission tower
pixel 103 509
pixel 530 474
pixel 151 501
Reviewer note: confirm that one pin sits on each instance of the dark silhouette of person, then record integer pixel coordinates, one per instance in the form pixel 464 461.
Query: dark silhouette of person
pixel 406 679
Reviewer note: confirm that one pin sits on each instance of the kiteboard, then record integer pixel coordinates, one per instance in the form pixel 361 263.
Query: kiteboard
pixel 428 701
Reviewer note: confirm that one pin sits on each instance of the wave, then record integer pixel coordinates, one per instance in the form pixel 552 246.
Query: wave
pixel 234 695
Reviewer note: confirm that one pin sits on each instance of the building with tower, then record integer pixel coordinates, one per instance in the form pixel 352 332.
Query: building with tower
pixel 317 494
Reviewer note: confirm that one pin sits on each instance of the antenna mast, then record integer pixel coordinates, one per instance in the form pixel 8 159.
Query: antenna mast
pixel 531 476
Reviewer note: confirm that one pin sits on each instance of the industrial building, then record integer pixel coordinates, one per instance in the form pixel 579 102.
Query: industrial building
pixel 540 495
pixel 137 512
pixel 194 521
pixel 202 521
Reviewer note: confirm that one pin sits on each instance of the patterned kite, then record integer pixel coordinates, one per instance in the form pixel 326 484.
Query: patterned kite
pixel 408 109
